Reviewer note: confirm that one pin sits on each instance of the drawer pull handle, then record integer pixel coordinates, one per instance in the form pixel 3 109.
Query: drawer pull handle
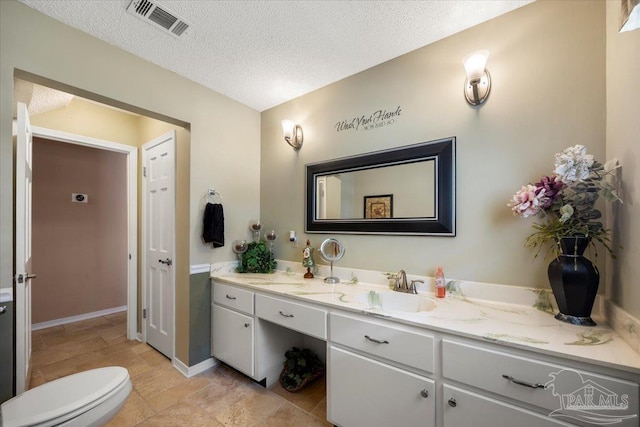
pixel 246 325
pixel 424 393
pixel 522 383
pixel 230 297
pixel 375 340
pixel 452 402
pixel 285 314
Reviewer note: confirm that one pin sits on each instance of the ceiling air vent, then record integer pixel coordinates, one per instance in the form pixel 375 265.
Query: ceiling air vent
pixel 159 16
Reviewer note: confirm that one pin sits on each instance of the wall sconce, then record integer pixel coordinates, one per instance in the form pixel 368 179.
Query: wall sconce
pixel 292 134
pixel 630 15
pixel 478 83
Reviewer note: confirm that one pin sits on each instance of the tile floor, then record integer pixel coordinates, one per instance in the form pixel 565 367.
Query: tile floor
pixel 161 396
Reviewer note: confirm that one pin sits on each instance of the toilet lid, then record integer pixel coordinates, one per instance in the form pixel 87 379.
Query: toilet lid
pixel 63 396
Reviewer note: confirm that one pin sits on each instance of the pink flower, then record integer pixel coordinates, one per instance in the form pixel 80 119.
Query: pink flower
pixel 528 201
pixel 551 186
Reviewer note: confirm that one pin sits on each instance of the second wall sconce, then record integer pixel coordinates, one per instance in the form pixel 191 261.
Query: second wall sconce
pixel 478 83
pixel 292 134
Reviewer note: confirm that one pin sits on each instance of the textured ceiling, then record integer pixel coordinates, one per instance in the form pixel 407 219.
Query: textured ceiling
pixel 263 53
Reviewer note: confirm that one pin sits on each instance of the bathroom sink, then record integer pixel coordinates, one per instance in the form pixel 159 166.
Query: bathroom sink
pixel 396 301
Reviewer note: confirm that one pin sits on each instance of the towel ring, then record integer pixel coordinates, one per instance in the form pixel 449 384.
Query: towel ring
pixel 212 195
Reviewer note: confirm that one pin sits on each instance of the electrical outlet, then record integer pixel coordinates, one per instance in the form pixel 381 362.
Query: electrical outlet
pixel 79 198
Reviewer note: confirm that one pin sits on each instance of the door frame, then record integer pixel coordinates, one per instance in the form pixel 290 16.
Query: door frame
pixel 145 200
pixel 132 209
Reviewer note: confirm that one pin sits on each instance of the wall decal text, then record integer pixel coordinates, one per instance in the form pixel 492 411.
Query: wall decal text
pixel 374 120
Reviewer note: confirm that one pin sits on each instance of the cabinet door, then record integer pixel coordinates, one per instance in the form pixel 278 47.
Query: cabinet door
pixel 365 392
pixel 232 339
pixel 464 408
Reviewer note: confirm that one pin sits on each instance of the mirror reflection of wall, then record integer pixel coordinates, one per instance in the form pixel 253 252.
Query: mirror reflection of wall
pixel 341 196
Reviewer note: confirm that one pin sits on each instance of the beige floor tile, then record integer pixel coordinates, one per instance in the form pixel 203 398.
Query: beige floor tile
pixel 320 412
pixel 40 332
pixel 307 398
pixel 134 411
pixel 290 416
pixel 36 378
pixel 157 380
pixel 86 324
pixel 246 405
pixel 117 318
pixel 55 338
pixel 113 334
pixel 178 393
pixel 218 397
pixel 179 415
pixel 154 358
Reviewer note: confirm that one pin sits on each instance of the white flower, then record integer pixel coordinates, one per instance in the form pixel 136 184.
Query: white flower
pixel 527 202
pixel 573 164
pixel 566 211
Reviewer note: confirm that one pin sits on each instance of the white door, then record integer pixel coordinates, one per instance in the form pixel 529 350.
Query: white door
pixel 23 249
pixel 158 158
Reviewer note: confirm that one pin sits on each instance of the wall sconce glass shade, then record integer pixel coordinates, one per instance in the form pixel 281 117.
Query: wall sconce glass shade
pixel 630 15
pixel 478 83
pixel 292 134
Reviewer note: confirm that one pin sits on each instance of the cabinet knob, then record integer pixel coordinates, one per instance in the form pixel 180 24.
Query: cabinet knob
pixel 424 393
pixel 246 325
pixel 452 402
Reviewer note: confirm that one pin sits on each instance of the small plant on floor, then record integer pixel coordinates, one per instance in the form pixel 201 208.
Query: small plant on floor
pixel 301 367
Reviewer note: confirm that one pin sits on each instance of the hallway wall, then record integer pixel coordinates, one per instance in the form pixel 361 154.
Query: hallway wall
pixel 79 249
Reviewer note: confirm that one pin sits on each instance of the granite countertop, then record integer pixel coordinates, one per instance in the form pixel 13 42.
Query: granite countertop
pixel 519 317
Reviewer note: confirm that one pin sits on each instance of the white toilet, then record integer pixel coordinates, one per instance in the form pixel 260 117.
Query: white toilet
pixel 89 398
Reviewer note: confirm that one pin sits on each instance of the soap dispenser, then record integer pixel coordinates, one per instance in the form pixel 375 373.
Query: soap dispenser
pixel 440 285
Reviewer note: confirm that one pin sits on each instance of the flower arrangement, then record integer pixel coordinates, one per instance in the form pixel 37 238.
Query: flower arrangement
pixel 566 199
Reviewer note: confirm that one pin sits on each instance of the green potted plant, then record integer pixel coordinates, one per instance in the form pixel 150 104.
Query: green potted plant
pixel 257 259
pixel 300 368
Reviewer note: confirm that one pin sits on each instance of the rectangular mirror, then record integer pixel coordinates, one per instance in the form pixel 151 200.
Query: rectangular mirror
pixel 404 190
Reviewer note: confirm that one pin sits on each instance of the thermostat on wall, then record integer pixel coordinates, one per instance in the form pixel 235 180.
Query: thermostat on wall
pixel 79 198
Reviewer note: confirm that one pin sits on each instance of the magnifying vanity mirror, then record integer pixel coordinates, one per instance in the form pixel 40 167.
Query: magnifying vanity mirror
pixel 331 250
pixel 407 190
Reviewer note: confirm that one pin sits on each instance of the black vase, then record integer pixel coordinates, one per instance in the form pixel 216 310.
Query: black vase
pixel 574 281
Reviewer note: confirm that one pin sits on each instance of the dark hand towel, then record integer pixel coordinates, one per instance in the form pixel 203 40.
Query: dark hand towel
pixel 213 224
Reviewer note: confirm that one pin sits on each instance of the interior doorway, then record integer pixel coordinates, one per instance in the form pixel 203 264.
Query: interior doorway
pixel 129 222
pixel 79 232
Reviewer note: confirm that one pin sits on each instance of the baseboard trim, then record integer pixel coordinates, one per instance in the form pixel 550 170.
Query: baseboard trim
pixel 190 371
pixel 71 319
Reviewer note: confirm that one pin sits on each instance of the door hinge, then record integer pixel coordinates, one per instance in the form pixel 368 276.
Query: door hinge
pixel 144 313
pixel 144 171
pixel 129 257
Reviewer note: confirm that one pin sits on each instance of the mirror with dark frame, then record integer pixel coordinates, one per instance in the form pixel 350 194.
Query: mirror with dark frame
pixel 407 190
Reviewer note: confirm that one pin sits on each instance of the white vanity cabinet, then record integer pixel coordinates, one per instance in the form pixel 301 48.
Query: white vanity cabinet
pixel 376 374
pixel 465 408
pixel 571 395
pixel 232 327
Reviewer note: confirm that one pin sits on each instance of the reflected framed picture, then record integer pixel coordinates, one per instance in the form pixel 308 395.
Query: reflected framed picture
pixel 378 207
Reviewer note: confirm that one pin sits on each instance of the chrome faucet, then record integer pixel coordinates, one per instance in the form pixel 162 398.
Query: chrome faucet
pixel 401 284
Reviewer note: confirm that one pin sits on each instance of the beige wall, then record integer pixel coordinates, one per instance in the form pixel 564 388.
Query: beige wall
pixel 82 117
pixel 623 142
pixel 547 65
pixel 79 250
pixel 225 135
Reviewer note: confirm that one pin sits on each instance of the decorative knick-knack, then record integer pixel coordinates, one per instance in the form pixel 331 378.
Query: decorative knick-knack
pixel 574 281
pixel 307 260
